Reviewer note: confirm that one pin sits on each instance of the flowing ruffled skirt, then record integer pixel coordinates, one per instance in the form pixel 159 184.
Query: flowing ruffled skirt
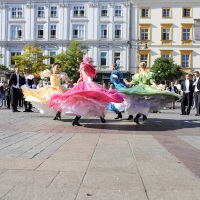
pixel 41 96
pixel 144 99
pixel 85 99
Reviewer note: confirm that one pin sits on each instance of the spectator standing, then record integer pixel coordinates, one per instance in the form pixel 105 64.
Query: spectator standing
pixel 187 95
pixel 196 85
pixel 29 82
pixel 16 81
pixel 40 84
pixel 174 89
pixel 2 92
pixel 7 94
pixel 71 84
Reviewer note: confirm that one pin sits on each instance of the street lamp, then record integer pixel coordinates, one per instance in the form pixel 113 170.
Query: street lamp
pixel 138 44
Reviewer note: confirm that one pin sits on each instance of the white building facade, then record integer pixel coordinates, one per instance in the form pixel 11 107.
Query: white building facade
pixel 170 30
pixel 53 24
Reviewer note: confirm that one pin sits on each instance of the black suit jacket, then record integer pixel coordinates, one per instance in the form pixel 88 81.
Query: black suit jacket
pixel 183 86
pixel 13 80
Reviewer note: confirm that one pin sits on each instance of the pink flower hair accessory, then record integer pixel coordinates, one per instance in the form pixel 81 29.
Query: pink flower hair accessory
pixel 87 59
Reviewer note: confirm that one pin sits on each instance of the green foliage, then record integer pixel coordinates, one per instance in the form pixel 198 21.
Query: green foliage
pixel 70 59
pixel 3 68
pixel 32 59
pixel 166 69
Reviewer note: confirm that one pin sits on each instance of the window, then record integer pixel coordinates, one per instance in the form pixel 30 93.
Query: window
pixel 118 31
pixel 103 58
pixel 145 32
pixel 186 34
pixel 104 31
pixel 166 34
pixel 41 11
pixel 53 31
pixel 53 11
pixel 186 56
pixel 118 11
pixel 144 13
pixel 16 12
pixel 144 56
pixel 79 11
pixel 78 31
pixel 52 59
pixel 14 54
pixel 104 11
pixel 40 32
pixel 166 12
pixel 187 12
pixel 117 56
pixel 166 53
pixel 16 32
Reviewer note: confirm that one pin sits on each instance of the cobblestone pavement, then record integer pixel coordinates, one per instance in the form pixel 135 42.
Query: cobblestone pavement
pixel 43 159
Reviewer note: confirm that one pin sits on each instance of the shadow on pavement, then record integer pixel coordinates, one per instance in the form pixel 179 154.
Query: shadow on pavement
pixel 155 125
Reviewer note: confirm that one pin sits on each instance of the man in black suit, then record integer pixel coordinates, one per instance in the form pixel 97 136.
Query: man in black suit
pixel 187 89
pixel 29 82
pixel 16 81
pixel 196 85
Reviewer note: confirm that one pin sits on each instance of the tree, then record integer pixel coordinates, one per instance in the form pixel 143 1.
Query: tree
pixel 32 59
pixel 70 59
pixel 166 69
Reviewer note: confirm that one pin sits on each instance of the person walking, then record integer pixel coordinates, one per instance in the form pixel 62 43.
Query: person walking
pixel 15 83
pixel 196 85
pixel 187 91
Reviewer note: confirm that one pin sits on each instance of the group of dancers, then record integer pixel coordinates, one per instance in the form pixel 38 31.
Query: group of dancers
pixel 89 99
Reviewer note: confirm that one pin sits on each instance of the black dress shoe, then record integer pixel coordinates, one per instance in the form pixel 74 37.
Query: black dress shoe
pixel 197 115
pixel 183 114
pixel 144 117
pixel 30 111
pixel 119 116
pixel 103 120
pixel 25 111
pixel 55 118
pixel 75 123
pixel 17 111
pixel 130 117
pixel 136 121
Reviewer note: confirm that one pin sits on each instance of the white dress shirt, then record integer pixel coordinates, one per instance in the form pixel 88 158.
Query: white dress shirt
pixel 187 85
pixel 195 83
pixel 17 86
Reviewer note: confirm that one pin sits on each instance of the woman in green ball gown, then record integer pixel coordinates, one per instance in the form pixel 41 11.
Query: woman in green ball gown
pixel 144 96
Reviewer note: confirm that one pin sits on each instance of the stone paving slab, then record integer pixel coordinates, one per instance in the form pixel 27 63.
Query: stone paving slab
pixel 21 164
pixel 32 193
pixel 108 194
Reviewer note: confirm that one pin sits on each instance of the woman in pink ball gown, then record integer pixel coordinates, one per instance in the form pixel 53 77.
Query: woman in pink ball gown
pixel 86 98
